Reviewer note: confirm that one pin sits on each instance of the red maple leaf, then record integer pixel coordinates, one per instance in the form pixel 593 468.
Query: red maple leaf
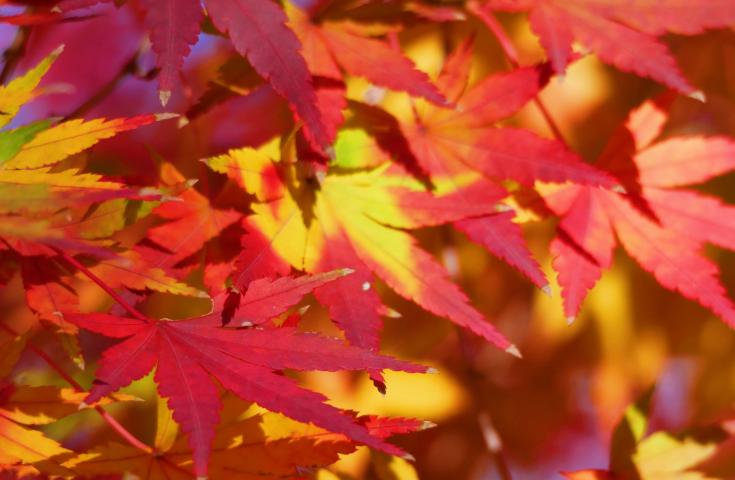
pixel 188 353
pixel 332 46
pixel 449 141
pixel 661 227
pixel 258 31
pixel 623 34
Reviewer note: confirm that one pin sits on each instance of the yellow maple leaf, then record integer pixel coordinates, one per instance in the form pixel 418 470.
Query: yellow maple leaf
pixel 68 138
pixel 23 89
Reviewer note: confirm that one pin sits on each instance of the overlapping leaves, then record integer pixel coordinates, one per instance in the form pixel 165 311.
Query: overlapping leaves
pixel 624 34
pixel 316 222
pixel 664 228
pixel 442 160
pixel 186 353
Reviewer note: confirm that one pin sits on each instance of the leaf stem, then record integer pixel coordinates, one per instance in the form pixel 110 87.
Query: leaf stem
pixel 121 430
pixel 475 377
pixel 88 273
pixel 512 55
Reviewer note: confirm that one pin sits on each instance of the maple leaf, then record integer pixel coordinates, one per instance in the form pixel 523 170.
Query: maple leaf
pixel 185 354
pixel 329 48
pixel 174 28
pixel 28 153
pixel 44 206
pixel 637 453
pixel 247 444
pixel 330 45
pixel 357 220
pixel 54 144
pixel 48 290
pixel 191 222
pixel 131 270
pixel 623 34
pixel 42 405
pixel 22 407
pixel 661 227
pixel 23 88
pixel 256 260
pixel 21 445
pixel 258 31
pixel 446 141
pixel 104 218
pixel 23 449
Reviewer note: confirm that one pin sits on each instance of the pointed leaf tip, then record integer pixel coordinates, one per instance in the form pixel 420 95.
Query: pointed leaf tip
pixel 698 95
pixel 513 350
pixel 408 457
pixel 58 50
pixel 570 320
pixel 502 208
pixel 547 290
pixel 166 116
pixel 330 152
pixel 425 425
pixel 164 96
pixel 346 271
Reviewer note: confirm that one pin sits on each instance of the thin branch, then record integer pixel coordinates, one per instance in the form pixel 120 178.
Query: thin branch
pixel 494 445
pixel 89 274
pixel 14 52
pixel 492 23
pixel 493 442
pixel 549 119
pixel 512 55
pixel 121 430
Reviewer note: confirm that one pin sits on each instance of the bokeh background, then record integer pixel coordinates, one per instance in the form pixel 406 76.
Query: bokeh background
pixel 554 410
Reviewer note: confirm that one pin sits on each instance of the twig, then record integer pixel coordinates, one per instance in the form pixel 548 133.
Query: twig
pixel 493 442
pixel 121 301
pixel 121 430
pixel 14 52
pixel 512 55
pixel 495 445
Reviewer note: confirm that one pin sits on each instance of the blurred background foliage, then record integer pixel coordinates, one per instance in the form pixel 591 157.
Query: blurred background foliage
pixel 554 410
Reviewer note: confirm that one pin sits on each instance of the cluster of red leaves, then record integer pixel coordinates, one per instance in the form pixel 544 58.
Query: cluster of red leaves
pixel 299 201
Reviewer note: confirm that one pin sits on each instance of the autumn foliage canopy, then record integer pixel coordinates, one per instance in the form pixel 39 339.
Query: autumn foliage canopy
pixel 205 205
